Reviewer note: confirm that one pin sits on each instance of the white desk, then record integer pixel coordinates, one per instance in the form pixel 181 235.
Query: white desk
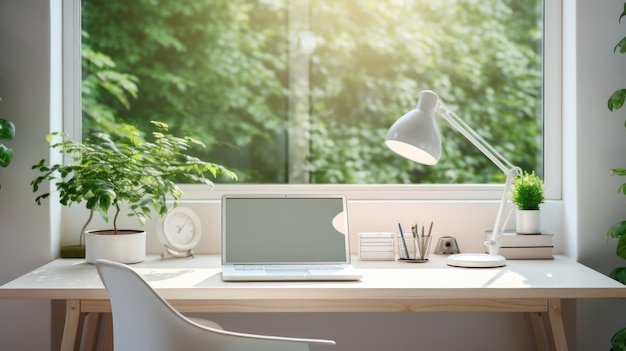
pixel 194 285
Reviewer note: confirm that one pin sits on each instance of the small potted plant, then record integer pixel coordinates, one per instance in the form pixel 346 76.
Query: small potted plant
pixel 106 171
pixel 527 194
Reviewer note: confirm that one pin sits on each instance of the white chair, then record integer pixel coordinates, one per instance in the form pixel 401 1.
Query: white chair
pixel 143 320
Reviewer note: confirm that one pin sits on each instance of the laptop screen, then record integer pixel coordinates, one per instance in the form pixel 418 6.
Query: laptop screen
pixel 284 229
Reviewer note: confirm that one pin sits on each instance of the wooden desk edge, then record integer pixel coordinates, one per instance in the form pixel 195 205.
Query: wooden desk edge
pixel 347 294
pixel 354 305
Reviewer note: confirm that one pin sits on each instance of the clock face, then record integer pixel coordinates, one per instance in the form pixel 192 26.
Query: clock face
pixel 180 229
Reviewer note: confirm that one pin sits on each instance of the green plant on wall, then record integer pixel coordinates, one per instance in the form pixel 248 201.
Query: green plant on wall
pixel 7 132
pixel 618 230
pixel 616 100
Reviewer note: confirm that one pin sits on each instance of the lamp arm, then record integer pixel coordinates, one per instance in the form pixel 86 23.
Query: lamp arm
pixel 500 161
pixel 471 135
pixel 493 243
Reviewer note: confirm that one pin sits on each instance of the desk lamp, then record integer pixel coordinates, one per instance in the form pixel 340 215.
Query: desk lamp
pixel 416 136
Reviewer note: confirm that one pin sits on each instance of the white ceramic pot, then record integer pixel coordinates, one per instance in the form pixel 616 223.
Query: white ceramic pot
pixel 527 222
pixel 127 246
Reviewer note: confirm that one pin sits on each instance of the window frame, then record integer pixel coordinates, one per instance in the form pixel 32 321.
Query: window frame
pixel 552 139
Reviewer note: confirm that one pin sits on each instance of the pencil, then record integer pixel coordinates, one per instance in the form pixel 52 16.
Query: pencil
pixel 403 241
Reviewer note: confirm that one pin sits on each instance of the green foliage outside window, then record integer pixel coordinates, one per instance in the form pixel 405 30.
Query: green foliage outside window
pixel 220 71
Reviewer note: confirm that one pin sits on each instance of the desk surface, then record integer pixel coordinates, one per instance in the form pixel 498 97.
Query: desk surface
pixel 199 279
pixel 195 285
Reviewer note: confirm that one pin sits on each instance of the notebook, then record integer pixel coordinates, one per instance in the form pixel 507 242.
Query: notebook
pixel 285 237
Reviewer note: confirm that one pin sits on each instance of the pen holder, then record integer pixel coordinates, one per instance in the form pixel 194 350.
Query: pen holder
pixel 414 249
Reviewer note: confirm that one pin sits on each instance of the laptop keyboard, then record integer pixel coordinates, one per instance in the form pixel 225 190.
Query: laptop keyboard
pixel 286 267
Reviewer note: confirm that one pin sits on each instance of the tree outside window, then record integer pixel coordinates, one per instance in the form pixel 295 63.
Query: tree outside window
pixel 303 91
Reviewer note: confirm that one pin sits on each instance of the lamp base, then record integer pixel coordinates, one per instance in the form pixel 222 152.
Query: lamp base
pixel 476 260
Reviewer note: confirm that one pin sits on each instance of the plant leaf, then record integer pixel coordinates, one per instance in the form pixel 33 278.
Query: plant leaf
pixel 619 274
pixel 616 100
pixel 621 247
pixel 621 46
pixel 6 155
pixel 618 340
pixel 618 171
pixel 616 231
pixel 7 130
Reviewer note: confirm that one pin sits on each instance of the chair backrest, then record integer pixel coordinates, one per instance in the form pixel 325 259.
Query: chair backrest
pixel 143 320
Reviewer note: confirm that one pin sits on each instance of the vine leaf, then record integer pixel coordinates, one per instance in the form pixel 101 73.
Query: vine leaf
pixel 616 100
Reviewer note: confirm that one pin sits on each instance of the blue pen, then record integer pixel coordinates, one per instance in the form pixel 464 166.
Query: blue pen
pixel 403 241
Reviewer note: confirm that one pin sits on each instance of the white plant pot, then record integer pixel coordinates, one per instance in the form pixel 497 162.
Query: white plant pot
pixel 128 246
pixel 527 222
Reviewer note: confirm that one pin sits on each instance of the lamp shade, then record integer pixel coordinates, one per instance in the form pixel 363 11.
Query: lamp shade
pixel 416 135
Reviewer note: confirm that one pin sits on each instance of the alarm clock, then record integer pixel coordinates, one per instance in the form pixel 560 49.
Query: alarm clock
pixel 179 232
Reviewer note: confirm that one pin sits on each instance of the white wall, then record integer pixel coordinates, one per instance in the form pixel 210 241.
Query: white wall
pixel 596 142
pixel 25 228
pixel 593 143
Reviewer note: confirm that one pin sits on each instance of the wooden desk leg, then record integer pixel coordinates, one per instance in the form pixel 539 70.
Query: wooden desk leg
pixel 72 324
pixel 536 331
pixel 107 334
pixel 92 333
pixel 553 323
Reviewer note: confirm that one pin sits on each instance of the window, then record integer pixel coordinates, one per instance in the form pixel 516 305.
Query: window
pixel 302 92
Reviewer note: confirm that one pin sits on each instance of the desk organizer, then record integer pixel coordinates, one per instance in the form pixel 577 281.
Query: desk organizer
pixel 376 246
pixel 414 249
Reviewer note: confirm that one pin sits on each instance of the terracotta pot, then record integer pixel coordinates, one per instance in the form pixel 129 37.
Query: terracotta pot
pixel 127 246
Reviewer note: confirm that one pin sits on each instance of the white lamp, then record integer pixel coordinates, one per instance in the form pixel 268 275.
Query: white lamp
pixel 416 136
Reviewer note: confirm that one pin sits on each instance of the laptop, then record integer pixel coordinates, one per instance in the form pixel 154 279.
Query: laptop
pixel 285 237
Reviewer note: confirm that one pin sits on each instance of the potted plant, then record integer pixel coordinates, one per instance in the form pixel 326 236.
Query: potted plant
pixel 528 194
pixel 106 171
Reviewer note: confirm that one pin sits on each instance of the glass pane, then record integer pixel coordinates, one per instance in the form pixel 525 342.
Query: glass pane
pixel 304 91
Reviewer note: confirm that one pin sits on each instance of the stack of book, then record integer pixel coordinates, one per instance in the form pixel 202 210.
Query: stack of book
pixel 515 246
